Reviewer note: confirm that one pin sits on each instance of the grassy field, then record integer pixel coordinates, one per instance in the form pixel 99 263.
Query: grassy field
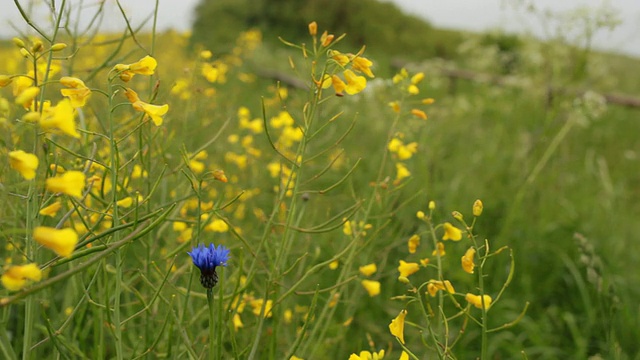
pixel 365 207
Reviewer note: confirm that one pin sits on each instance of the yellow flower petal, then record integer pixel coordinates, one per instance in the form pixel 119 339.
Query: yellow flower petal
pixel 477 300
pixel 407 269
pixel 15 278
pixel 71 183
pixel 25 163
pixel 451 232
pixel 467 260
pixel 372 287
pixel 62 241
pixel 368 270
pixel 397 326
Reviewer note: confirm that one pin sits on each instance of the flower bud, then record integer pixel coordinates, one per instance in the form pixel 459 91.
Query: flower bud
pixel 432 205
pixel 18 42
pixel 37 46
pixel 24 52
pixel 477 208
pixel 5 80
pixel 420 215
pixel 58 47
pixel 313 28
pixel 457 215
pixel 403 279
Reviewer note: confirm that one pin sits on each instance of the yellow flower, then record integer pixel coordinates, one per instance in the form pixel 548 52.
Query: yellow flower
pixel 451 232
pixel 397 326
pixel 368 270
pixel 51 210
pixel 62 241
pixel 155 112
pixel 402 172
pixel 5 80
pixel 435 285
pixel 237 322
pixel 467 260
pixel 15 278
pixel 257 307
pixel 145 66
pixel 313 28
pixel 367 355
pixel 334 264
pixel 420 214
pixel 413 243
pixel 419 113
pixel 70 183
pixel 126 202
pixel 60 117
pixel 25 98
pixel 339 57
pixel 293 357
pixel 355 83
pixel 79 92
pixel 372 287
pixel 439 250
pixel 404 356
pixel 25 163
pixel 407 269
pixel 477 300
pixel 218 225
pixel 362 64
pixel 477 208
pixel 338 85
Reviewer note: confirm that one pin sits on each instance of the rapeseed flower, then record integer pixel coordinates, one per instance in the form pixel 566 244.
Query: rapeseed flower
pixel 16 277
pixel 78 93
pixel 71 183
pixel 368 270
pixel 207 259
pixel 407 269
pixel 477 208
pixel 51 210
pixel 23 162
pixel 436 285
pixel 367 355
pixel 355 83
pixel 372 287
pixel 439 251
pixel 145 66
pixel 467 260
pixel 25 98
pixel 155 112
pixel 413 243
pixel 61 241
pixel 60 117
pixel 397 326
pixel 451 232
pixel 477 300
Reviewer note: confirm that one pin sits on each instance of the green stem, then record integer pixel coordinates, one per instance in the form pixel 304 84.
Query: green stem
pixel 212 324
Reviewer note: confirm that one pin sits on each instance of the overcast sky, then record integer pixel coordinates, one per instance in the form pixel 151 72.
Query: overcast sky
pixel 476 15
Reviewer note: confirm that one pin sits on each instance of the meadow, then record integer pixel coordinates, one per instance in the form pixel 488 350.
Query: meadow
pixel 311 197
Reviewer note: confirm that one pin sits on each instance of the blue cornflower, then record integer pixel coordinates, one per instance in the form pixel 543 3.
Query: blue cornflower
pixel 206 259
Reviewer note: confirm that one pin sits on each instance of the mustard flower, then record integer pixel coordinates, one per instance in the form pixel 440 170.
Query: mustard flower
pixel 372 287
pixel 25 98
pixel 355 83
pixel 402 172
pixel 439 251
pixel 237 322
pixel 256 306
pixel 407 269
pixel 313 28
pixel 419 113
pixel 436 285
pixel 368 270
pixel 467 260
pixel 338 85
pixel 326 38
pixel 78 93
pixel 145 66
pixel 451 232
pixel 362 64
pixel 404 356
pixel 23 162
pixel 51 210
pixel 60 117
pixel 340 58
pixel 397 326
pixel 15 277
pixel 477 208
pixel 207 259
pixel 5 80
pixel 413 243
pixel 283 119
pixel 155 112
pixel 71 183
pixel 61 241
pixel 218 225
pixel 477 300
pixel 367 355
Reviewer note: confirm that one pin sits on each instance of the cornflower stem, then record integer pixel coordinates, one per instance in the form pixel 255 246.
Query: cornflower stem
pixel 220 322
pixel 212 324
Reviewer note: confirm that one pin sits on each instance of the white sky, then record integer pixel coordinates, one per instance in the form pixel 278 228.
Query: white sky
pixel 460 14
